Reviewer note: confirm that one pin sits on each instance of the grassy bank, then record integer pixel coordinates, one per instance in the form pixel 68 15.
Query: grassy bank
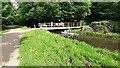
pixel 6 28
pixel 41 48
pixel 15 27
pixel 111 35
pixel 3 31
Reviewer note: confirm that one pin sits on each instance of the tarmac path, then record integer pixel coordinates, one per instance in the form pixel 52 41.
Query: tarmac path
pixel 10 47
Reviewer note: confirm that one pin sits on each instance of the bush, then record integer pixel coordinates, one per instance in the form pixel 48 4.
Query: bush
pixel 4 27
pixel 82 22
pixel 102 26
pixel 87 29
pixel 116 26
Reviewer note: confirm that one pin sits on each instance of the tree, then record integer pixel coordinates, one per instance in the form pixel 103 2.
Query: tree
pixel 31 13
pixel 104 11
pixel 7 13
pixel 116 11
pixel 101 11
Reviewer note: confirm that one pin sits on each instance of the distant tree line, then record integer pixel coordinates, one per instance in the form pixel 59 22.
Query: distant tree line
pixel 104 11
pixel 30 13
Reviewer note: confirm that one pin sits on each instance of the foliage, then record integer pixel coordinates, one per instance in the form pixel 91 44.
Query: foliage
pixel 7 13
pixel 30 13
pixel 101 26
pixel 116 11
pixel 104 11
pixel 106 26
pixel 116 27
pixel 82 22
pixel 42 48
pixel 4 27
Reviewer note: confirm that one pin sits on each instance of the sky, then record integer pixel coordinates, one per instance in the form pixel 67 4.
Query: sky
pixel 12 0
pixel 14 3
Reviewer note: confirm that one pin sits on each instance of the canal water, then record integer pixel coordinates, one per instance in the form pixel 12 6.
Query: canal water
pixel 108 43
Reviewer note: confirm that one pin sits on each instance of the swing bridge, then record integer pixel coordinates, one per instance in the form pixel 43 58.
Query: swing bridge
pixel 59 27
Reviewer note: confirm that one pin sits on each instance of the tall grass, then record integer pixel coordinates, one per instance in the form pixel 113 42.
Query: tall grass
pixel 41 48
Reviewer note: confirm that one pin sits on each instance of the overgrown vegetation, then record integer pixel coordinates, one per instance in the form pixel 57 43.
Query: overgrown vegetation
pixel 106 26
pixel 42 48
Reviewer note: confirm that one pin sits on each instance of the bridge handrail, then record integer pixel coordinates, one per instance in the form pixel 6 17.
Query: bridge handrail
pixel 62 24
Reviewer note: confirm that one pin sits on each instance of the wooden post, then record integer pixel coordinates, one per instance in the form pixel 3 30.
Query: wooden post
pixel 34 26
pixel 51 24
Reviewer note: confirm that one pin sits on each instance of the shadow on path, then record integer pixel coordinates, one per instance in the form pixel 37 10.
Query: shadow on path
pixel 10 42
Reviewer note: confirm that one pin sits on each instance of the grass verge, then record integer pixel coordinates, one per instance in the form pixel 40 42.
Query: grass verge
pixel 3 31
pixel 41 48
pixel 17 26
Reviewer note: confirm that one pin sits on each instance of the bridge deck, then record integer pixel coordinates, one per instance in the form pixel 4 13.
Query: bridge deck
pixel 59 28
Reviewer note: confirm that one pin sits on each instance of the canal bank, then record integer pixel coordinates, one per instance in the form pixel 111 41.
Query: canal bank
pixel 107 43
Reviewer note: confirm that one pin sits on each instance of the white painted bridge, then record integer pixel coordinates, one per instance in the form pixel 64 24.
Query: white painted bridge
pixel 59 28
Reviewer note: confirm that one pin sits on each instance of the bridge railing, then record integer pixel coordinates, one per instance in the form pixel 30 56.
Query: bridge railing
pixel 59 24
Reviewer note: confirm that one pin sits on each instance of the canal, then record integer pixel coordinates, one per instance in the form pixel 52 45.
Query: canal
pixel 107 43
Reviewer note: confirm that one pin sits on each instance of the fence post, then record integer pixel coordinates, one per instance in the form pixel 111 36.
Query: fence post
pixel 51 24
